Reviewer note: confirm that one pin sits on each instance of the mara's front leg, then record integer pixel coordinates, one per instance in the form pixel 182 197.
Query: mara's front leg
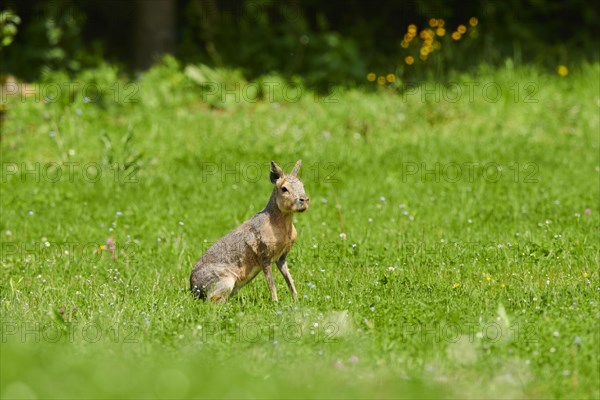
pixel 282 265
pixel 270 281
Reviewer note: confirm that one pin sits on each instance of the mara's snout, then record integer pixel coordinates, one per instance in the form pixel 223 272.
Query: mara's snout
pixel 302 204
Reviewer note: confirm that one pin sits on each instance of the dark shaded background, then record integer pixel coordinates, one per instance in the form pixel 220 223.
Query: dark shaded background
pixel 337 41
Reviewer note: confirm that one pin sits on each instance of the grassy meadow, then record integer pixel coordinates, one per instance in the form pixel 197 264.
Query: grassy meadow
pixel 451 249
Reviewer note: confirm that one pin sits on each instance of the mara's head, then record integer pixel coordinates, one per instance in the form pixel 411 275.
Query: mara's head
pixel 289 189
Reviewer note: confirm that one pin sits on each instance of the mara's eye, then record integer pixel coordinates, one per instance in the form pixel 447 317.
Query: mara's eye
pixel 284 189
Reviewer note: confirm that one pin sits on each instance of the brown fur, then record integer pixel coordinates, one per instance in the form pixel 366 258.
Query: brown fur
pixel 235 259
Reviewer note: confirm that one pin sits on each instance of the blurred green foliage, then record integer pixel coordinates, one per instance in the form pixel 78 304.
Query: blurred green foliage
pixel 8 27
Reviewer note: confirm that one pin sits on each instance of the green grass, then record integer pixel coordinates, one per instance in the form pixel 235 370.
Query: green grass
pixel 478 285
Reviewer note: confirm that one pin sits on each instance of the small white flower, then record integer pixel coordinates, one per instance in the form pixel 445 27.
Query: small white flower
pixel 71 152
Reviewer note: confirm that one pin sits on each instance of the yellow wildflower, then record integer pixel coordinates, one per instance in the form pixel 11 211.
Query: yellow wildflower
pixel 390 78
pixel 562 70
pixel 461 29
pixel 371 76
pixel 440 31
pixel 473 21
pixel 409 60
pixel 381 80
pixel 456 35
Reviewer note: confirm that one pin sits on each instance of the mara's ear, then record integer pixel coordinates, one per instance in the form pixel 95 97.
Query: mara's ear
pixel 296 168
pixel 276 172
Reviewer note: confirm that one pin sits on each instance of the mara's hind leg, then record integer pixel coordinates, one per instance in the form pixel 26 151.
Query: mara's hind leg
pixel 220 290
